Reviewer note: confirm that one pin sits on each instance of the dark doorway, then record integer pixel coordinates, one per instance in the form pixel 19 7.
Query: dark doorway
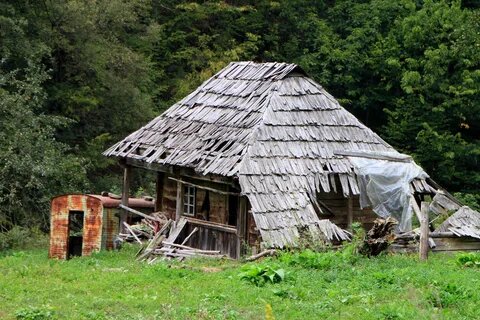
pixel 75 233
pixel 232 210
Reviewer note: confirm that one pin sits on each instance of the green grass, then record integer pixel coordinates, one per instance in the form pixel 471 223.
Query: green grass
pixel 111 285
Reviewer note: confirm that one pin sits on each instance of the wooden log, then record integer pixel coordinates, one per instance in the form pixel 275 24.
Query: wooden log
pixel 205 188
pixel 131 231
pixel 436 234
pixel 186 255
pixel 270 252
pixel 178 248
pixel 127 173
pixel 126 208
pixel 423 249
pixel 179 208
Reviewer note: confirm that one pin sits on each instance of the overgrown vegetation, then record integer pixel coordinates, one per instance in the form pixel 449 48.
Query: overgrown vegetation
pixel 112 285
pixel 469 259
pixel 76 76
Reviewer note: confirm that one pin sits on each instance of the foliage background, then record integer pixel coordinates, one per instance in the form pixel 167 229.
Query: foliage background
pixel 75 76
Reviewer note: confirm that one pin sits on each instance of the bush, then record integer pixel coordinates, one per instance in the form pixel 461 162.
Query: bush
pixel 447 295
pixel 468 259
pixel 34 313
pixel 19 238
pixel 260 275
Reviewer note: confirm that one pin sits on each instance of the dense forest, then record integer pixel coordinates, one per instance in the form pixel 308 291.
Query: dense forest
pixel 76 76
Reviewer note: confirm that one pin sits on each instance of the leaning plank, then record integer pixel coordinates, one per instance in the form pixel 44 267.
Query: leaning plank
pixel 131 231
pixel 139 213
pixel 205 188
pixel 270 252
pixel 178 229
pixel 190 235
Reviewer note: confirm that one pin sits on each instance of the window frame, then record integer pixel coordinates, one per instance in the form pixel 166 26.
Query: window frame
pixel 189 200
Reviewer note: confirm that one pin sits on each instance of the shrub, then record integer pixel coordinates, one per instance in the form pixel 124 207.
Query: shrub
pixel 468 259
pixel 446 295
pixel 260 275
pixel 19 238
pixel 34 313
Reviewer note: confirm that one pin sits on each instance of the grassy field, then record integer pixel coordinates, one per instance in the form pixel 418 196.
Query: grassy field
pixel 111 285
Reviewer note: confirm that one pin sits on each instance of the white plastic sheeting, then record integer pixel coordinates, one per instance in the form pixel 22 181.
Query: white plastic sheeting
pixel 385 186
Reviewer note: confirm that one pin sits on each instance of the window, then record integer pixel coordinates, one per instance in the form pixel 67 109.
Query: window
pixel 189 201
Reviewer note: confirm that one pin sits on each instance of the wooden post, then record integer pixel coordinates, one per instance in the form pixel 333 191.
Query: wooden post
pixel 349 213
pixel 423 250
pixel 159 191
pixel 127 173
pixel 179 209
pixel 241 224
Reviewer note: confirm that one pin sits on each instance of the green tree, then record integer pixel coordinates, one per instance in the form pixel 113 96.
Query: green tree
pixel 34 165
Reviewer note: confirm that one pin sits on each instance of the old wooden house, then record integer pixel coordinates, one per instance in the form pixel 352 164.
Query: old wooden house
pixel 257 155
pixel 82 224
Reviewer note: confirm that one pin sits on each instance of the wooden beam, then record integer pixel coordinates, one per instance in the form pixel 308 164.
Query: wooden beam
pixel 179 208
pixel 205 188
pixel 127 176
pixel 368 155
pixel 131 231
pixel 241 224
pixel 349 213
pixel 211 225
pixel 159 185
pixel 423 250
pixel 140 213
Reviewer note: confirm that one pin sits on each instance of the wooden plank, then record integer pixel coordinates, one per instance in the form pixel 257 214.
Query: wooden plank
pixel 127 173
pixel 415 207
pixel 456 244
pixel 203 187
pixel 131 231
pixel 178 229
pixel 423 250
pixel 179 206
pixel 159 186
pixel 241 225
pixel 211 225
pixel 190 235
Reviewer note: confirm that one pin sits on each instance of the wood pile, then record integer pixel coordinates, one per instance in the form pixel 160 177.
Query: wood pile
pixel 145 229
pixel 165 248
pixel 161 234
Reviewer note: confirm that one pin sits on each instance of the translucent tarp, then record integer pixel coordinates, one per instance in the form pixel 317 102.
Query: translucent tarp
pixel 385 186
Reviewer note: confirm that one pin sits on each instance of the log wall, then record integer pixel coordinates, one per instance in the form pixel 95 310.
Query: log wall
pixel 339 205
pixel 218 203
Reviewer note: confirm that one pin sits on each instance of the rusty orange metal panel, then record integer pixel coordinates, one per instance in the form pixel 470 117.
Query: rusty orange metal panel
pixel 59 228
pixel 111 230
pixel 92 228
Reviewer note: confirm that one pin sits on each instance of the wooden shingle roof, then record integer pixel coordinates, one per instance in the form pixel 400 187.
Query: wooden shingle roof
pixel 271 126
